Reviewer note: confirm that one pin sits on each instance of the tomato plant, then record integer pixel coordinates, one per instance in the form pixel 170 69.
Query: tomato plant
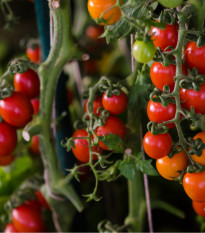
pixel 170 4
pixel 97 105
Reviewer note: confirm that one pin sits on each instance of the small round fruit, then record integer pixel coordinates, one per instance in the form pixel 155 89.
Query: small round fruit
pixel 10 228
pixel 34 54
pixel 35 103
pixel 115 104
pixel 97 104
pixel 34 147
pixel 199 208
pixel 170 168
pixel 157 146
pixel 200 159
pixel 42 200
pixel 170 3
pixel 143 51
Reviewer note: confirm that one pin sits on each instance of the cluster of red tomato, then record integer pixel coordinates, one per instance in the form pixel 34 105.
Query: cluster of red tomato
pixel 28 216
pixel 116 104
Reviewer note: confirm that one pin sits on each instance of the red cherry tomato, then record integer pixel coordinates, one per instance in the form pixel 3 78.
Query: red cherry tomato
pixel 8 139
pixel 194 186
pixel 161 75
pixel 10 228
pixel 199 208
pixel 97 7
pixel 97 104
pixel 16 109
pixel 93 32
pixel 158 113
pixel 6 160
pixel 115 104
pixel 170 168
pixel 112 125
pixel 34 147
pixel 34 54
pixel 42 200
pixel 26 218
pixel 200 159
pixel 165 37
pixel 34 204
pixel 27 83
pixel 35 103
pixel 157 146
pixel 81 150
pixel 194 98
pixel 195 57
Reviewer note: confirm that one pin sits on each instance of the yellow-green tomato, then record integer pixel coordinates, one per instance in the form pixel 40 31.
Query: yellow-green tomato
pixel 143 51
pixel 170 3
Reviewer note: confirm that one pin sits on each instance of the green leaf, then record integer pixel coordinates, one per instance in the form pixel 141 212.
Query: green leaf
pixel 146 167
pixel 114 142
pixel 127 169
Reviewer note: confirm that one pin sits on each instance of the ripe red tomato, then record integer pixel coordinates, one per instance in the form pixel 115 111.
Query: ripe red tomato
pixel 115 104
pixel 97 7
pixel 194 98
pixel 170 168
pixel 93 32
pixel 35 103
pixel 34 54
pixel 112 125
pixel 16 109
pixel 165 37
pixel 42 200
pixel 6 160
pixel 199 208
pixel 157 146
pixel 194 185
pixel 81 150
pixel 27 83
pixel 161 75
pixel 97 104
pixel 195 57
pixel 26 218
pixel 34 147
pixel 158 113
pixel 200 159
pixel 10 228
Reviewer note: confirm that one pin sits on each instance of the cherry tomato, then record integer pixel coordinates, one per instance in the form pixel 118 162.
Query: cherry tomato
pixel 10 228
pixel 97 7
pixel 170 168
pixel 35 103
pixel 16 109
pixel 195 57
pixel 26 218
pixel 199 208
pixel 42 200
pixel 143 51
pixel 34 204
pixel 157 146
pixel 161 75
pixel 200 159
pixel 170 4
pixel 6 160
pixel 81 150
pixel 34 54
pixel 112 125
pixel 93 32
pixel 165 37
pixel 193 98
pixel 27 83
pixel 115 104
pixel 194 185
pixel 34 147
pixel 97 104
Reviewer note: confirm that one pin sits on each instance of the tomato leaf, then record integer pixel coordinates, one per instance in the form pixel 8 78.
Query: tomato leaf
pixel 146 167
pixel 113 142
pixel 127 169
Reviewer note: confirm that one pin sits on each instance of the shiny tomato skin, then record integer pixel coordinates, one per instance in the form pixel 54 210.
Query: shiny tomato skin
pixel 200 159
pixel 157 146
pixel 26 218
pixel 16 109
pixel 115 104
pixel 112 125
pixel 27 83
pixel 161 75
pixel 34 147
pixel 195 57
pixel 81 150
pixel 35 103
pixel 158 113
pixel 6 160
pixel 8 139
pixel 194 186
pixel 34 54
pixel 169 168
pixel 199 208
pixel 97 7
pixel 42 200
pixel 97 104
pixel 193 98
pixel 165 37
pixel 10 228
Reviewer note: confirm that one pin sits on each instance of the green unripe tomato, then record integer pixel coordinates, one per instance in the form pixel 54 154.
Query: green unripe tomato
pixel 143 51
pixel 170 3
